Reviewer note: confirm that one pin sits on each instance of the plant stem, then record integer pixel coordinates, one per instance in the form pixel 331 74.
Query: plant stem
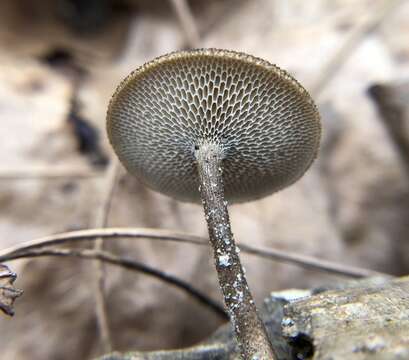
pixel 250 332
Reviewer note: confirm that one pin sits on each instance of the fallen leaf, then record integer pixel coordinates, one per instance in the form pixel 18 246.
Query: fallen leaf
pixel 7 292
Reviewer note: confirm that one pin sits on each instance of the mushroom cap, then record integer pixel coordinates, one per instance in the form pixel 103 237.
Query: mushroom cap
pixel 265 122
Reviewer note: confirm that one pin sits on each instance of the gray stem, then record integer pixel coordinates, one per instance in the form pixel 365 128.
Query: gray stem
pixel 250 332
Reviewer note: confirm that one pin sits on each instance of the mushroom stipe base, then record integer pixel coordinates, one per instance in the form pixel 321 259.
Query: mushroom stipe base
pixel 249 329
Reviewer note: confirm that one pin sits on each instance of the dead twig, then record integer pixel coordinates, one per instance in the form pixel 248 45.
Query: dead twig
pixel 126 263
pixel 166 235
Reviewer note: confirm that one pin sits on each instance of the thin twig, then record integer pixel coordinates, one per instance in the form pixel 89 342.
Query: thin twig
pixel 187 22
pixel 126 263
pixel 166 235
pixel 101 222
pixel 354 38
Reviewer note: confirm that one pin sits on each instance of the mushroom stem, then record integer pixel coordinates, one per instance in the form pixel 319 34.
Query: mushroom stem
pixel 249 329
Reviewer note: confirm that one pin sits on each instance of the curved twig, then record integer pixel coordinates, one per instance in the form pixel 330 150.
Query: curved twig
pixel 166 235
pixel 126 263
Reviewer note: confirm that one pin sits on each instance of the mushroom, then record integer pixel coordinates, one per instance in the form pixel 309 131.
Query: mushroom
pixel 216 126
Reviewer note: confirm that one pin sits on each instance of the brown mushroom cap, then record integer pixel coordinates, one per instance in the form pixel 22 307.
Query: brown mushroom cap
pixel 265 122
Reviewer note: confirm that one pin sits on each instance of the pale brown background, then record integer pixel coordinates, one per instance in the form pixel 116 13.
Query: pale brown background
pixel 352 206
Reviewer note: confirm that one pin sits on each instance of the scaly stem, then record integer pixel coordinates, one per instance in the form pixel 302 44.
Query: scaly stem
pixel 250 332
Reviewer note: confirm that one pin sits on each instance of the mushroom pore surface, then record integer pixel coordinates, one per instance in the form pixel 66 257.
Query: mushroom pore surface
pixel 264 121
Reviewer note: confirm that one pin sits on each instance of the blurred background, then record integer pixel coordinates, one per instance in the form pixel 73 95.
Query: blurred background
pixel 60 61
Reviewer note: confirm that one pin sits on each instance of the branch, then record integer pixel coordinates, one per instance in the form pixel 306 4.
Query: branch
pixel 166 235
